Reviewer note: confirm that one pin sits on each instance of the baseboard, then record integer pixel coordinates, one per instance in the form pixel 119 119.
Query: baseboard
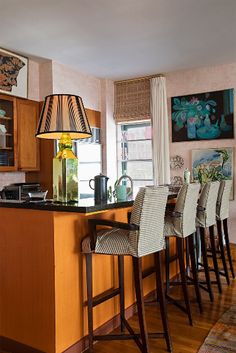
pixel 12 346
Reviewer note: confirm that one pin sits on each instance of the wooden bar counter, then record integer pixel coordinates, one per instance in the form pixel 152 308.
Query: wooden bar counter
pixel 42 275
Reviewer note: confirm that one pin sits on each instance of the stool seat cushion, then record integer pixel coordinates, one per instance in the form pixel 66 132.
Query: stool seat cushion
pixel 206 212
pixel 169 228
pixel 114 241
pixel 181 221
pixel 86 245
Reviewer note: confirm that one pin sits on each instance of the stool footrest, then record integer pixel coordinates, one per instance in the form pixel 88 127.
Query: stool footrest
pixel 126 336
pixel 148 271
pixel 176 303
pixel 110 293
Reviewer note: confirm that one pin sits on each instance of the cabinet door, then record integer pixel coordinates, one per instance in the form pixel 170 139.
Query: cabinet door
pixel 8 137
pixel 28 144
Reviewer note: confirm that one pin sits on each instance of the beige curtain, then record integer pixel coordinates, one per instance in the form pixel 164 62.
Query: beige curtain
pixel 160 131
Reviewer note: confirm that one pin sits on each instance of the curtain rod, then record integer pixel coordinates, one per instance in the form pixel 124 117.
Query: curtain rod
pixel 140 78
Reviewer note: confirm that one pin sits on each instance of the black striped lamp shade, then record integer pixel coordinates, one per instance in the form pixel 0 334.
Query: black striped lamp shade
pixel 63 113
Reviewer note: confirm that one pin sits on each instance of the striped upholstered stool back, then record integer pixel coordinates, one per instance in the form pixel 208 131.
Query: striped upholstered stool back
pixel 148 213
pixel 206 215
pixel 222 205
pixel 186 209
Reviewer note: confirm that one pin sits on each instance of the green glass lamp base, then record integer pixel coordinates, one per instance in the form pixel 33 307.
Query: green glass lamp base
pixel 65 180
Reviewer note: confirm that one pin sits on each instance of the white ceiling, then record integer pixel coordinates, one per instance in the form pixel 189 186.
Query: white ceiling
pixel 122 38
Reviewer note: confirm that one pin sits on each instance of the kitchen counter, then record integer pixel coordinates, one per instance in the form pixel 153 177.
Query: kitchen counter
pixel 83 206
pixel 42 271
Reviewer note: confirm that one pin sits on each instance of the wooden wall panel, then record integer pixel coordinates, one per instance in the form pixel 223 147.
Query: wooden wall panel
pixel 27 305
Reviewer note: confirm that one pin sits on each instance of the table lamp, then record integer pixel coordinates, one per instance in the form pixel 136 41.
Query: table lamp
pixel 63 118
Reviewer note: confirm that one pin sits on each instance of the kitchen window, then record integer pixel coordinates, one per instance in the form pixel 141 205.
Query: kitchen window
pixel 89 154
pixel 134 147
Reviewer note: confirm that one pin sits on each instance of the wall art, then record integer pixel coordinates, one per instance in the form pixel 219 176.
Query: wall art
pixel 13 74
pixel 176 162
pixel 203 116
pixel 213 164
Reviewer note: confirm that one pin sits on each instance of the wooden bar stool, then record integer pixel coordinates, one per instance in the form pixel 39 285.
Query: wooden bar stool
pixel 143 236
pixel 222 215
pixel 206 218
pixel 181 224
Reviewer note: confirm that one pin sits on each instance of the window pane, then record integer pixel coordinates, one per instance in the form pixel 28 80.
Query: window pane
pixel 134 150
pixel 89 170
pixel 137 169
pixel 89 153
pixel 85 190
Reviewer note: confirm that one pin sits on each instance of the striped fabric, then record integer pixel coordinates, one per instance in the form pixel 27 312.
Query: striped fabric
pixel 63 113
pixel 206 214
pixel 181 222
pixel 148 213
pixel 222 205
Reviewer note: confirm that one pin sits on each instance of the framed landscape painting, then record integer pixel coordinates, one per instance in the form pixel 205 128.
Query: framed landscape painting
pixel 13 74
pixel 203 116
pixel 213 164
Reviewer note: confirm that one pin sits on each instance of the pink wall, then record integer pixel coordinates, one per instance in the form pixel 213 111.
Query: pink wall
pixel 33 80
pixel 69 80
pixel 211 78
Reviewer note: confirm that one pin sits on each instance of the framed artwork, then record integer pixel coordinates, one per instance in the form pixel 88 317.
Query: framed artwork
pixel 13 74
pixel 203 116
pixel 213 164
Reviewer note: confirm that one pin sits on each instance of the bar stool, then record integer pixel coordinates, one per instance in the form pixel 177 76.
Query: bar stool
pixel 143 236
pixel 222 214
pixel 206 218
pixel 181 224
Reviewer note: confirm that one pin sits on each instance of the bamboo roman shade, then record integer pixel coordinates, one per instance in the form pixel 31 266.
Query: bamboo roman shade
pixel 132 100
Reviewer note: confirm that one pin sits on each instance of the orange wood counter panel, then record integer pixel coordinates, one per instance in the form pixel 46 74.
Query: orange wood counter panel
pixel 42 272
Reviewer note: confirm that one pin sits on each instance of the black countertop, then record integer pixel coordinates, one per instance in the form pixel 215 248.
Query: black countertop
pixel 83 206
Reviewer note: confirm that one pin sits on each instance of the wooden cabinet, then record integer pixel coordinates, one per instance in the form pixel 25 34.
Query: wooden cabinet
pixel 19 149
pixel 8 135
pixel 28 144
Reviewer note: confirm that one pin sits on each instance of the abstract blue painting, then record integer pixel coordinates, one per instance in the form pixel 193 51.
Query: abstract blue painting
pixel 203 116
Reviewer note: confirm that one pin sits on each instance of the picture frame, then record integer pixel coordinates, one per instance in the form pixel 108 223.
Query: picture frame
pixel 13 74
pixel 213 164
pixel 203 116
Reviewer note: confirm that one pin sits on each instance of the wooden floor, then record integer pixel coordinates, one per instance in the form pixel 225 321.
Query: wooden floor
pixel 186 339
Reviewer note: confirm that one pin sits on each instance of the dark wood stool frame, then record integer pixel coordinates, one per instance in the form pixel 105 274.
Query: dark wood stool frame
pixel 141 339
pixel 185 279
pixel 206 268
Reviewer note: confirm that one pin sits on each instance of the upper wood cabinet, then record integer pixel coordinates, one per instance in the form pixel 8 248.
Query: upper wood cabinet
pixel 28 144
pixel 8 133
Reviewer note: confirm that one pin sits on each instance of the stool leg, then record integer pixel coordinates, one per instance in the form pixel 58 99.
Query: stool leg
pixel 205 263
pixel 225 225
pixel 89 279
pixel 167 263
pixel 214 257
pixel 122 294
pixel 180 242
pixel 187 256
pixel 137 265
pixel 222 252
pixel 161 297
pixel 197 248
pixel 194 271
